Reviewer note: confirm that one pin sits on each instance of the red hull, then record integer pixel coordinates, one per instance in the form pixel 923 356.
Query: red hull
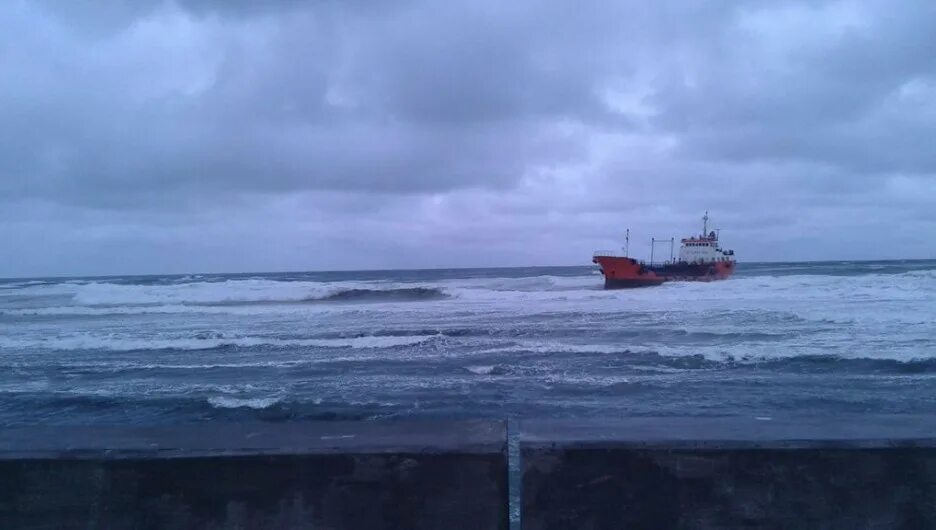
pixel 622 273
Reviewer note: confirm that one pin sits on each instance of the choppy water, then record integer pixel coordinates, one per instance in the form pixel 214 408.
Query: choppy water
pixel 539 342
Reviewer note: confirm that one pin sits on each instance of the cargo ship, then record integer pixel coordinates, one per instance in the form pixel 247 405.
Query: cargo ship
pixel 701 259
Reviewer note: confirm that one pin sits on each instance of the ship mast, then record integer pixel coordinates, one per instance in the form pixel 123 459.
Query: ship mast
pixel 705 225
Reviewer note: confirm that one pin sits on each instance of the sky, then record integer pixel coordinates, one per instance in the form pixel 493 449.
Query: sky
pixel 151 136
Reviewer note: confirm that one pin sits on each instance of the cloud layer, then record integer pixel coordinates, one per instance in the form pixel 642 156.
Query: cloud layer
pixel 160 136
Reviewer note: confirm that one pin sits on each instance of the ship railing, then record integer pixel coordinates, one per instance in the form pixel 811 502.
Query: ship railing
pixel 605 254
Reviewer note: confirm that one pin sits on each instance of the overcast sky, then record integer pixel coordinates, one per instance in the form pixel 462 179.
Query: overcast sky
pixel 150 136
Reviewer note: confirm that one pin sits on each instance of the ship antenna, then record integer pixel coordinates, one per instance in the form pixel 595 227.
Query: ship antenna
pixel 627 243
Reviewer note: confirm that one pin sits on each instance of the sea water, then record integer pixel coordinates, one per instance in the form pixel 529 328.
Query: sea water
pixel 805 338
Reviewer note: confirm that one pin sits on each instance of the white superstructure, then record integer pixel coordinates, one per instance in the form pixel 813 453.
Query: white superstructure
pixel 703 248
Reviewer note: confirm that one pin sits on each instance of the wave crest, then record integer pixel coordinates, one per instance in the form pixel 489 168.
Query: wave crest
pixel 227 402
pixel 382 295
pixel 111 343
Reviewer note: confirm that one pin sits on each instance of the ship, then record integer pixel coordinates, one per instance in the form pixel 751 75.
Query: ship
pixel 701 259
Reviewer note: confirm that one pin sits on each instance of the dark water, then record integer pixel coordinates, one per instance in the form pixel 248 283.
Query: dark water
pixel 538 342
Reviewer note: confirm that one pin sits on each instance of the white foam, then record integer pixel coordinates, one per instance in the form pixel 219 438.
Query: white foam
pixel 226 402
pixel 95 342
pixel 242 296
pixel 97 294
pixel 866 315
pixel 118 310
pixel 523 284
pixel 481 370
pixel 103 298
pixel 67 311
pixel 559 347
pixel 231 291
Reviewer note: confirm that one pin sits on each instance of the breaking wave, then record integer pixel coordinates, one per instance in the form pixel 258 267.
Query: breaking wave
pixel 383 295
pixel 230 292
pixel 91 342
pixel 196 294
pixel 524 342
pixel 481 370
pixel 102 301
pixel 225 402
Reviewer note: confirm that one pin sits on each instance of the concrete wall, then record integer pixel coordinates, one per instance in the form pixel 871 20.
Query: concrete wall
pixel 662 473
pixel 328 476
pixel 650 473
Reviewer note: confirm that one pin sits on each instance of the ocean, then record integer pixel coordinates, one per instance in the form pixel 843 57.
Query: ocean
pixel 777 338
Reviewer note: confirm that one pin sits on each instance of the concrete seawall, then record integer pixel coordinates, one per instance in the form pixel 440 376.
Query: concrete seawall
pixel 414 475
pixel 661 473
pixel 638 473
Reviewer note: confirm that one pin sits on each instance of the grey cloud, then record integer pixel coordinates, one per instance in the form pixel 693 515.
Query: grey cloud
pixel 263 119
pixel 837 100
pixel 107 16
pixel 338 126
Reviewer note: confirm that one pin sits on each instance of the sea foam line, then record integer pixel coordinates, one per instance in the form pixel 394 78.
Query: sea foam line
pixel 110 343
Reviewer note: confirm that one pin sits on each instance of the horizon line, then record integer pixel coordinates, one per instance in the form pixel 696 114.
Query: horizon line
pixel 324 271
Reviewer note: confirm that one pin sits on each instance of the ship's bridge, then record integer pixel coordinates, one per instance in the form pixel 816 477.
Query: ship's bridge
pixel 704 247
pixel 695 249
